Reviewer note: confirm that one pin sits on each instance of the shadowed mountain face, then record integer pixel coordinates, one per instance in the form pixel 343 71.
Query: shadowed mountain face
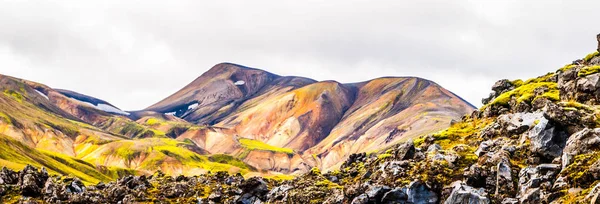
pixel 231 118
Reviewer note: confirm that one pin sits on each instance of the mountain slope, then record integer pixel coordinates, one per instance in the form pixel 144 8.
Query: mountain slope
pixel 323 122
pixel 58 131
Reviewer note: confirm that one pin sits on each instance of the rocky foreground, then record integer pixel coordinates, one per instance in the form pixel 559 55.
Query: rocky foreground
pixel 534 141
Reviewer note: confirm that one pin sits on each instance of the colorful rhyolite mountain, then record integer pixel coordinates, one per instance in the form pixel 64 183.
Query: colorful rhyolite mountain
pixel 231 118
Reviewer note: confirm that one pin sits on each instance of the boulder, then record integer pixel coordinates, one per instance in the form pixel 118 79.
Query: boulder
pixel 279 193
pixel 405 151
pixel 376 193
pixel 546 139
pixel 535 181
pixel 361 199
pixel 254 189
pixel 464 194
pixel 580 142
pixel 419 193
pixel 504 182
pixel 589 84
pixel 395 196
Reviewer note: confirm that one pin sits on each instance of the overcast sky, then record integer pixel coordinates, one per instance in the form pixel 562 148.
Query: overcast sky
pixel 135 53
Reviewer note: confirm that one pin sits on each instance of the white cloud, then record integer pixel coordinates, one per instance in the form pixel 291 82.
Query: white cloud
pixel 134 53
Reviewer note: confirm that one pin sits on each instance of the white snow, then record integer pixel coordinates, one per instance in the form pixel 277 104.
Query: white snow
pixel 110 109
pixel 170 113
pixel 239 83
pixel 193 106
pixel 42 94
pixel 104 107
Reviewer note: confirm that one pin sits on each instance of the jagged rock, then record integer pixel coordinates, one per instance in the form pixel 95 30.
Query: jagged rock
pixel 594 195
pixel 433 148
pixel 248 198
pixel 483 148
pixel 376 193
pixel 395 196
pixel 589 83
pixel 419 193
pixel 580 142
pixel 598 38
pixel 355 158
pixel 546 139
pixel 255 186
pixel 504 182
pixel 337 196
pixel 534 182
pixel 361 199
pixel 510 201
pixel 502 86
pixel 405 151
pixel 517 123
pixel 279 193
pixel 463 193
pixel 76 186
pixel 31 181
pixel 215 196
pixel 532 196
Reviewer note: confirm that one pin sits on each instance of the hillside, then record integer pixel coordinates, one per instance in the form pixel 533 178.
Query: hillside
pixel 322 122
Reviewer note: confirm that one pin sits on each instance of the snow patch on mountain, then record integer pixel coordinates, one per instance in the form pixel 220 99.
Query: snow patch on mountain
pixel 42 94
pixel 239 83
pixel 111 109
pixel 193 106
pixel 104 107
pixel 170 113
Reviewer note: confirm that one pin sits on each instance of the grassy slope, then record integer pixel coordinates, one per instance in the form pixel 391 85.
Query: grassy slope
pixel 150 154
pixel 15 155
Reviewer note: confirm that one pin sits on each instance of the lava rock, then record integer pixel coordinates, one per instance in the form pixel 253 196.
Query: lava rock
pixel 376 193
pixel 279 193
pixel 395 196
pixel 463 193
pixel 581 142
pixel 419 193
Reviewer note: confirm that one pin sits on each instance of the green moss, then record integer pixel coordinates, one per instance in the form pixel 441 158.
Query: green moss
pixel 328 184
pixel 419 141
pixel 4 118
pixel 578 173
pixel 577 106
pixel 152 153
pixel 460 133
pixel 315 171
pixel 589 57
pixel 281 177
pixel 383 156
pixel 68 130
pixel 525 93
pixel 152 122
pixel 517 82
pixel 16 155
pixel 588 70
pixel 567 67
pixel 14 94
pixel 258 145
pixel 228 159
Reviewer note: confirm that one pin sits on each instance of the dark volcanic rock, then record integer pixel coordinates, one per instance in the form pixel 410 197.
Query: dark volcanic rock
pixel 466 194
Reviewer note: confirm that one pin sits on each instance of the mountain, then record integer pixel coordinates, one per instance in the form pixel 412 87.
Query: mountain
pixel 57 129
pixel 231 119
pixel 322 122
pixel 533 141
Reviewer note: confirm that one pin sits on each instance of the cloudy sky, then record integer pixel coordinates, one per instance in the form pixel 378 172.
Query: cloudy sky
pixel 134 53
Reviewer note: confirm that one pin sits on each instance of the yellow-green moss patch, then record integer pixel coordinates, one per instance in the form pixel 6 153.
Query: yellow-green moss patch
pixel 258 145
